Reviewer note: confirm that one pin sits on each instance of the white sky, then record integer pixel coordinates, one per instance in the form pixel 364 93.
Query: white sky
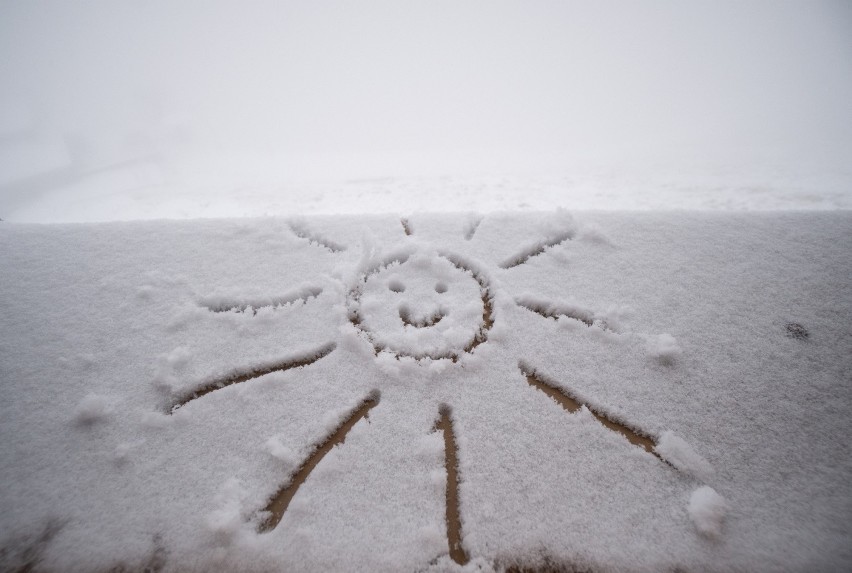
pixel 324 89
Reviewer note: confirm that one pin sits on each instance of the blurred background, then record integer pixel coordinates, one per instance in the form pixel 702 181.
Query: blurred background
pixel 126 109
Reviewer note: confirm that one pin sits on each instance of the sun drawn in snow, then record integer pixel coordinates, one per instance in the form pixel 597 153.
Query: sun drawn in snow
pixel 426 313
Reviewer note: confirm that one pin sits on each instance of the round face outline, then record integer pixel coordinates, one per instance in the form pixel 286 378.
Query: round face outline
pixel 425 305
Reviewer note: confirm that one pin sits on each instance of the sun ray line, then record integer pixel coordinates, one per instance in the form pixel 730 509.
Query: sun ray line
pixel 554 312
pixel 572 404
pixel 535 250
pixel 453 513
pixel 314 238
pixel 279 502
pixel 244 375
pixel 303 294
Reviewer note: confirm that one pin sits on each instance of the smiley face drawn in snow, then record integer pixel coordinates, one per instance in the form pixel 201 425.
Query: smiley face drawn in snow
pixel 425 305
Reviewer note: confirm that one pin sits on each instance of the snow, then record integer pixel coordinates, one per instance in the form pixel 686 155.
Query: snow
pixel 664 348
pixel 680 454
pixel 707 510
pixel 105 328
pixel 227 520
pixel 153 191
pixel 91 409
pixel 278 450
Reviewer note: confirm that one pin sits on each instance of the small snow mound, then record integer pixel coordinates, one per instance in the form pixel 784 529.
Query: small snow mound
pixel 226 521
pixel 351 340
pixel 178 357
pixel 664 348
pixel 593 234
pixel 438 478
pixel 707 509
pixel 680 454
pixel 432 538
pixel 558 224
pixel 333 419
pixel 430 448
pixel 437 367
pixel 91 409
pixel 278 450
pixel 388 363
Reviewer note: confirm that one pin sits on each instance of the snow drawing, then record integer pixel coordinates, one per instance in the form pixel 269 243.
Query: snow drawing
pixel 420 309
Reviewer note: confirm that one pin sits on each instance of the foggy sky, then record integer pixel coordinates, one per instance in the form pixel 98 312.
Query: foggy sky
pixel 598 81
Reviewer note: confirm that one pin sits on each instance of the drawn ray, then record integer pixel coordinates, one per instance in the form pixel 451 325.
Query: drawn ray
pixel 279 503
pixel 303 233
pixel 572 404
pixel 246 374
pixel 454 529
pixel 535 249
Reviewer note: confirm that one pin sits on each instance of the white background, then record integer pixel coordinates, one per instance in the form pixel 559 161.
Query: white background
pixel 130 109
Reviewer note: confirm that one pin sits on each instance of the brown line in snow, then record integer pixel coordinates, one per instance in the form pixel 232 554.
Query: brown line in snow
pixel 423 322
pixel 303 295
pixel 583 316
pixel 487 305
pixel 571 404
pixel 321 241
pixel 535 250
pixel 245 375
pixel 281 500
pixel 454 530
pixel 406 226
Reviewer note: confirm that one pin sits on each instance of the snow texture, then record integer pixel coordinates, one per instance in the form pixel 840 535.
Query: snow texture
pixel 269 339
pixel 707 510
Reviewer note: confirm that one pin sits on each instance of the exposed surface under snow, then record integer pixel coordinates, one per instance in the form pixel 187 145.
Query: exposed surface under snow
pixel 674 325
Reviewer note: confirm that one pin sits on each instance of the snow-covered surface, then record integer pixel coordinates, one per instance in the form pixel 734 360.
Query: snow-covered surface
pixel 674 324
pixel 148 189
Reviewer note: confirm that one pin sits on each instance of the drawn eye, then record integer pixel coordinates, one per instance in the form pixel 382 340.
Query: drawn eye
pixel 440 288
pixel 396 286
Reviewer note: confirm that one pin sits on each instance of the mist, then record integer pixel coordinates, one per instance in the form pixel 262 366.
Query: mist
pixel 195 95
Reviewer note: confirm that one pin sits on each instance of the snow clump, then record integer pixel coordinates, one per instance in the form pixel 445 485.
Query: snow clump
pixel 91 409
pixel 707 509
pixel 279 451
pixel 664 348
pixel 680 454
pixel 226 521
